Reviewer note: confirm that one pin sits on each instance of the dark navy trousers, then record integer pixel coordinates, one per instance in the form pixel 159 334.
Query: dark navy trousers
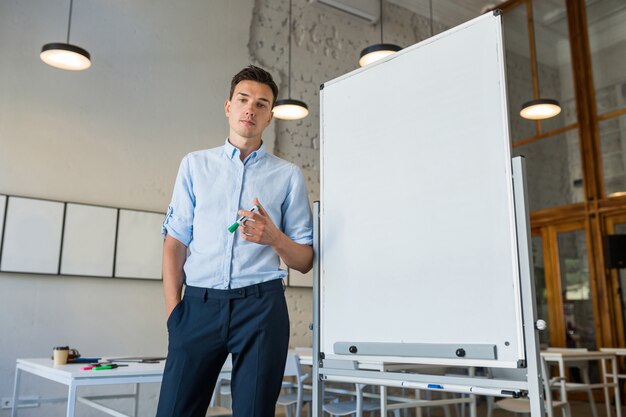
pixel 252 324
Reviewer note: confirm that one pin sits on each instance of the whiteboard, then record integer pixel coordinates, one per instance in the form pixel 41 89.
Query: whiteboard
pixel 32 236
pixel 139 245
pixel 88 240
pixel 417 229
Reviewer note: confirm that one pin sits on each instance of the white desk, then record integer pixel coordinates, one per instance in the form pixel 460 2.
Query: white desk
pixel 306 358
pixel 561 357
pixel 72 376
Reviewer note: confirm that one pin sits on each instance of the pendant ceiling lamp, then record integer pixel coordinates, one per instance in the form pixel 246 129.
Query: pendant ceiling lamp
pixel 65 55
pixel 288 108
pixel 540 109
pixel 380 50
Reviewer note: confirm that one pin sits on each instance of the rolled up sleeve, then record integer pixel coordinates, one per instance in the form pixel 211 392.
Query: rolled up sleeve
pixel 178 221
pixel 297 220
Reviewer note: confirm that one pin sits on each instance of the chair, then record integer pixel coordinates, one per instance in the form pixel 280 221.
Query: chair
pixel 295 399
pixel 583 367
pixel 522 405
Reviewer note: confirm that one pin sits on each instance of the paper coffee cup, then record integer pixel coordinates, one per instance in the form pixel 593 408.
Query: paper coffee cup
pixel 60 354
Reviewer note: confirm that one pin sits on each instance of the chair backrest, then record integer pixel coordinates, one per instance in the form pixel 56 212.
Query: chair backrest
pixel 292 366
pixel 562 349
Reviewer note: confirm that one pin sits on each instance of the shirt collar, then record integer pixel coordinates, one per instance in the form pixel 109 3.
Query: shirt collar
pixel 231 151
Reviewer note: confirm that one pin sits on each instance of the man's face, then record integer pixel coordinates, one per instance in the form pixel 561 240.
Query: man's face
pixel 249 111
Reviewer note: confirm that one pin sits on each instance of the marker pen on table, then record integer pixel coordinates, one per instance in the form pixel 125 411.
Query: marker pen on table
pixel 242 219
pixel 106 367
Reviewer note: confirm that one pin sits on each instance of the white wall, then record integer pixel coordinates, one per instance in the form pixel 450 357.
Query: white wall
pixel 112 135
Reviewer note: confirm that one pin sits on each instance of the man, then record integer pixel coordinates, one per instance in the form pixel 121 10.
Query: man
pixel 234 297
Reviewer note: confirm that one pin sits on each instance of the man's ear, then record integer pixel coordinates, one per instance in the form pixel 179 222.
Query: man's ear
pixel 227 108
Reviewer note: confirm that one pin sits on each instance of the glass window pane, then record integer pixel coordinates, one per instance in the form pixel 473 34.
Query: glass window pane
pixel 607 41
pixel 518 70
pixel 541 294
pixel 613 146
pixel 554 64
pixel 576 290
pixel 553 171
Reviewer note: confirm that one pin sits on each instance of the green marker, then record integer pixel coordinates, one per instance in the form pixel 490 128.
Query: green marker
pixel 240 220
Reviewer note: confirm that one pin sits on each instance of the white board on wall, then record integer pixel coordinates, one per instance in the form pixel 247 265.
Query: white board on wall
pixel 418 238
pixel 32 236
pixel 3 204
pixel 139 245
pixel 88 240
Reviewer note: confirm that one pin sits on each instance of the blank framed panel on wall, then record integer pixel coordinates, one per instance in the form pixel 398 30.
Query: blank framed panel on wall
pixel 3 204
pixel 139 245
pixel 88 240
pixel 32 236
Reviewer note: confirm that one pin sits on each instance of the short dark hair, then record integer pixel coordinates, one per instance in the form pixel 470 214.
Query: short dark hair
pixel 254 73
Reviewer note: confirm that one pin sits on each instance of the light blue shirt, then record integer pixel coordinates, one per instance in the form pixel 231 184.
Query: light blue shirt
pixel 211 186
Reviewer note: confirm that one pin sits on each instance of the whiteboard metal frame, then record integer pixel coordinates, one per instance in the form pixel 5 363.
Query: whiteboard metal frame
pixel 349 173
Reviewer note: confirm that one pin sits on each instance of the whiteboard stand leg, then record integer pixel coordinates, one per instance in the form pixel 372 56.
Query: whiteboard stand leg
pixel 383 400
pixel 136 400
pixel 527 288
pixel 473 411
pixel 318 394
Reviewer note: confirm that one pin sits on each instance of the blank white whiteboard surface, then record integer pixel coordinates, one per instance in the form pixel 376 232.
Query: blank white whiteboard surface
pixel 3 203
pixel 418 239
pixel 88 240
pixel 32 236
pixel 139 245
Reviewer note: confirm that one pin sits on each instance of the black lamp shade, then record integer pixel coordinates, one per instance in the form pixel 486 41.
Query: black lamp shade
pixel 375 52
pixel 290 109
pixel 65 56
pixel 540 109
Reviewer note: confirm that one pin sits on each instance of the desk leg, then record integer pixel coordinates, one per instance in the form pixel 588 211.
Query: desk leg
pixel 71 399
pixel 562 375
pixel 592 402
pixel 16 387
pixel 136 405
